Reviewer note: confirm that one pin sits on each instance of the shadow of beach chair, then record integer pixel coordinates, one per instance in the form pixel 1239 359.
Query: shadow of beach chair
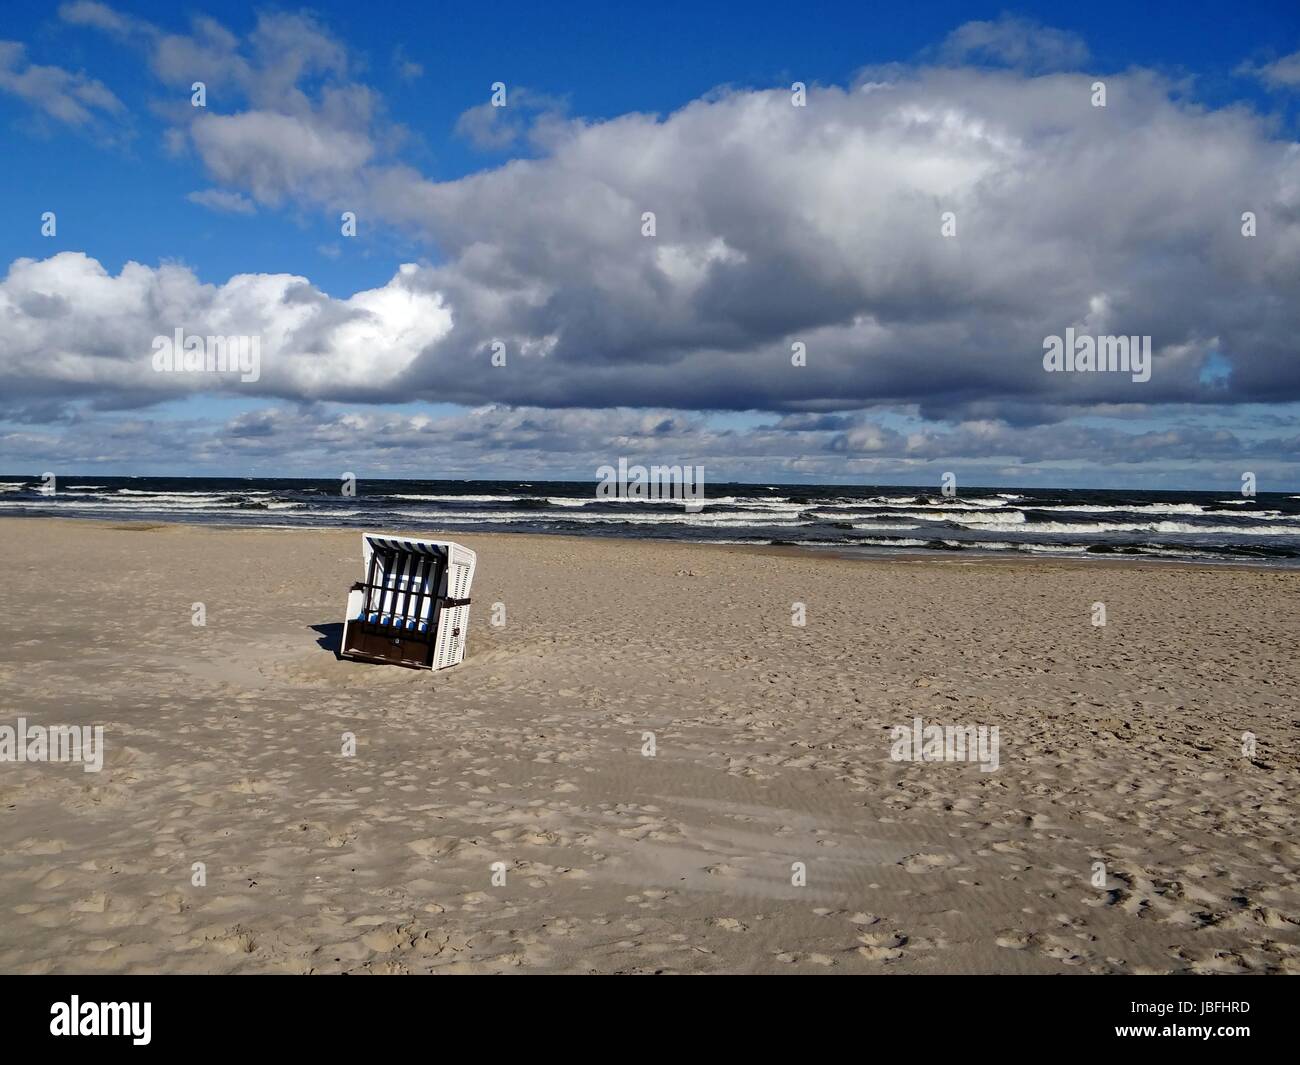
pixel 413 607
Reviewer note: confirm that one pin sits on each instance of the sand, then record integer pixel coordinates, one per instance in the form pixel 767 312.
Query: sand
pixel 1120 744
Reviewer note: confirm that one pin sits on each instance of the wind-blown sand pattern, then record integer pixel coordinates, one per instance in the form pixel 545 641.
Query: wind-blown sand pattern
pixel 1120 744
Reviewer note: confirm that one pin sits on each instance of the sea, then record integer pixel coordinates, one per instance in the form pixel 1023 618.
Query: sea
pixel 1215 526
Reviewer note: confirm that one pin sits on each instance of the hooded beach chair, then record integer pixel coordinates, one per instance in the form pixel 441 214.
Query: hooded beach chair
pixel 413 607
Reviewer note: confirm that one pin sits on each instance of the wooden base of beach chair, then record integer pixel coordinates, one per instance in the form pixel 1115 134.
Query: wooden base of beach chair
pixel 380 646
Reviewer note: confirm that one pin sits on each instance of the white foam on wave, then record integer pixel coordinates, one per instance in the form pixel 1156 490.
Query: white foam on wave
pixel 882 541
pixel 910 503
pixel 1005 517
pixel 453 499
pixel 669 502
pixel 1138 508
pixel 744 503
pixel 1177 527
pixel 117 508
pixel 195 496
pixel 147 506
pixel 1051 549
pixel 962 517
pixel 541 517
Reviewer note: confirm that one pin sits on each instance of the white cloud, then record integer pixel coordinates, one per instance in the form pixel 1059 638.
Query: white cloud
pixel 778 224
pixel 274 156
pixel 525 115
pixel 1282 73
pixel 830 217
pixel 261 132
pixel 98 16
pixel 221 200
pixel 73 329
pixel 1015 42
pixel 71 98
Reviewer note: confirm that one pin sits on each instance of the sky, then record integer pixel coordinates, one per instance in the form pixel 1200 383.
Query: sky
pixel 820 243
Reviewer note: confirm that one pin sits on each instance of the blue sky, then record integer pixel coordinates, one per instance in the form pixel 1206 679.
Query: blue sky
pixel 122 184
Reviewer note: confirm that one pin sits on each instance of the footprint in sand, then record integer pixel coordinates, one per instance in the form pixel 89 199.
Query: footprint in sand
pixel 882 946
pixel 1104 898
pixel 233 943
pixel 383 940
pixel 927 863
pixel 439 846
pixel 793 957
pixel 1064 951
pixel 1218 961
pixel 96 903
pixel 1015 939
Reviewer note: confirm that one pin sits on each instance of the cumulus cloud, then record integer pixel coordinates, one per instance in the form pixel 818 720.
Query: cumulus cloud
pixel 99 16
pixel 67 96
pixel 1015 42
pixel 778 225
pixel 263 132
pixel 1282 73
pixel 74 329
pixel 822 225
pixel 525 116
pixel 222 200
pixel 274 156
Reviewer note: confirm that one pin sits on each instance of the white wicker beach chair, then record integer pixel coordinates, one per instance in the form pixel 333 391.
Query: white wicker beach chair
pixel 413 607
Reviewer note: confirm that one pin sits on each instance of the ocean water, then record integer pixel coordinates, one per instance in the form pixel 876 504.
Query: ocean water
pixel 1188 526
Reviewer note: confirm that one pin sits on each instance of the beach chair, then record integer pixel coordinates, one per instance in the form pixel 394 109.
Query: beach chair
pixel 413 607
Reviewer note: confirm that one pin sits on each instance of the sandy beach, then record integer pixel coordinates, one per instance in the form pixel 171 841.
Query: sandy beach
pixel 769 831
